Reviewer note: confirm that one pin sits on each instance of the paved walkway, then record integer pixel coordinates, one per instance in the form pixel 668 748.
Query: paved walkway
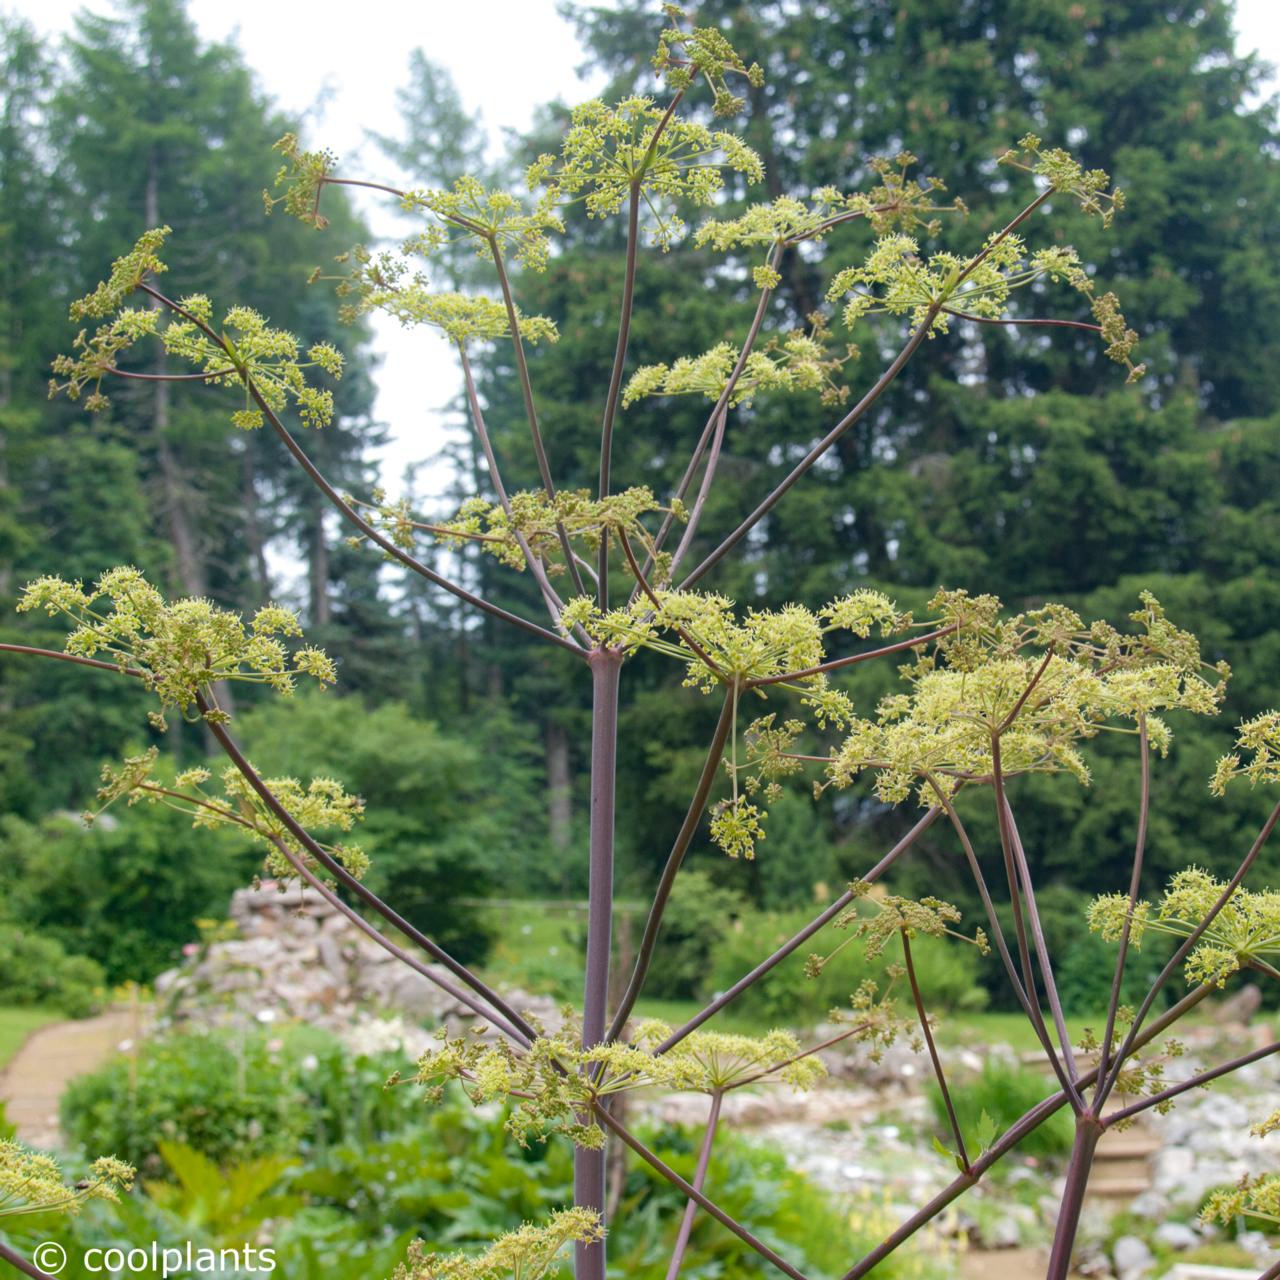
pixel 33 1082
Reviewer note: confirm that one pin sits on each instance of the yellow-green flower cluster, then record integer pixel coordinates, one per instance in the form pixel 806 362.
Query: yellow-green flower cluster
pixel 302 175
pixel 321 805
pixel 760 644
pixel 384 282
pixel 800 361
pixel 1243 934
pixel 127 273
pixel 248 348
pixel 1254 1196
pixel 528 1253
pixel 1259 739
pixel 181 648
pixel 490 217
pixel 553 1085
pixel 538 519
pixel 32 1182
pixel 1063 172
pixel 684 56
pixel 1040 682
pixel 608 150
pixel 898 201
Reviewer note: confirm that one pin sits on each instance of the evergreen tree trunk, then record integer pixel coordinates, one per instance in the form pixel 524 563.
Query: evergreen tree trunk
pixel 256 542
pixel 559 786
pixel 189 569
pixel 318 570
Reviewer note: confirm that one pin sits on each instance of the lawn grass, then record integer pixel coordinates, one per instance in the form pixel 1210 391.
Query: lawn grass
pixel 16 1024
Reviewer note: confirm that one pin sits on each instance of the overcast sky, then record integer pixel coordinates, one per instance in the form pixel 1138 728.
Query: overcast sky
pixel 297 56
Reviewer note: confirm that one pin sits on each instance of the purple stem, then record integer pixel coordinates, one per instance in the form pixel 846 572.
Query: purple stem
pixel 699 1178
pixel 340 873
pixel 16 1259
pixel 656 1163
pixel 938 1072
pixel 463 997
pixel 1002 1146
pixel 799 939
pixel 1088 1131
pixel 1135 880
pixel 589 1165
pixel 1042 953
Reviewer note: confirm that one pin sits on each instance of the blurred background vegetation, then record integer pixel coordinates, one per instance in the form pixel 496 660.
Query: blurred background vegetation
pixel 999 462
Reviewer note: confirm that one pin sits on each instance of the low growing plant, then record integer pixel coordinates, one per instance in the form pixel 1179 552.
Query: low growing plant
pixel 987 697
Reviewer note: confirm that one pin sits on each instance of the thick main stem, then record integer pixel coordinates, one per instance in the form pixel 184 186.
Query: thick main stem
pixel 1088 1131
pixel 588 1165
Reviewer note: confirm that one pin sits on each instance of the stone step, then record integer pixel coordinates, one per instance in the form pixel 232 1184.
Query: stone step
pixel 1123 1170
pixel 1127 1146
pixel 1121 1188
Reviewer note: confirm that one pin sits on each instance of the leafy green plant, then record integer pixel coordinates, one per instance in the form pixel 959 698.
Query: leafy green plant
pixel 35 970
pixel 233 1096
pixel 993 1100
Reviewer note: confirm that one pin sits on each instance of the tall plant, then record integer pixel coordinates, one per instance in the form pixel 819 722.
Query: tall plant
pixel 988 698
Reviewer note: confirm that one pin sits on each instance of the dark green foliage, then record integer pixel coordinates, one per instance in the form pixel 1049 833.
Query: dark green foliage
pixel 127 892
pixel 446 811
pixel 35 970
pixel 694 926
pixel 1001 1093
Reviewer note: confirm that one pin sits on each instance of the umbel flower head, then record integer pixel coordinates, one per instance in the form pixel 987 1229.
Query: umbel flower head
pixel 32 1182
pixel 180 648
pixel 1038 683
pixel 553 1085
pixel 245 349
pixel 608 151
pixel 1243 934
pixel 528 1253
pixel 323 804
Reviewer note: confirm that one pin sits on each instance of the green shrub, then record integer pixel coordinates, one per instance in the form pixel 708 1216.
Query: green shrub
pixel 948 971
pixel 234 1096
pixel 1003 1092
pixel 693 930
pixel 35 970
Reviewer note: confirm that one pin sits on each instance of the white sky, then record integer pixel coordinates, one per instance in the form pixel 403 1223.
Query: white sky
pixel 486 45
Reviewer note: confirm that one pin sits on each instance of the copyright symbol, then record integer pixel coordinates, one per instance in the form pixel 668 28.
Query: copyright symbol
pixel 50 1257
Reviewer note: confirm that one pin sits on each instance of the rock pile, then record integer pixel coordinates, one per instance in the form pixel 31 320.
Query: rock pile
pixel 299 958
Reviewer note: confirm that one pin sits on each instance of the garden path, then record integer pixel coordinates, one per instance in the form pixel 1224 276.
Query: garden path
pixel 32 1084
